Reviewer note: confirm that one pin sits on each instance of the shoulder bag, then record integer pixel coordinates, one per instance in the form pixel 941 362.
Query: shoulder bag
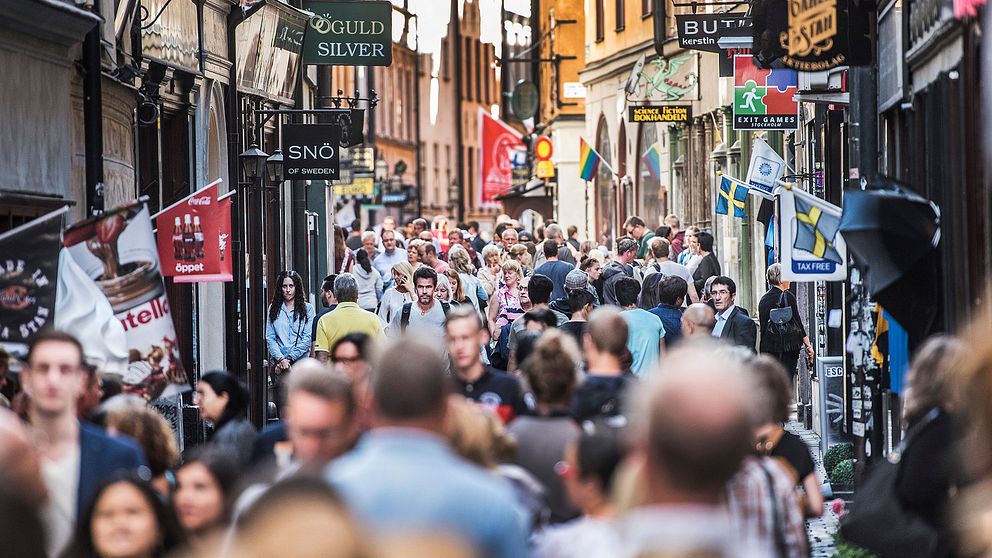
pixel 878 521
pixel 781 319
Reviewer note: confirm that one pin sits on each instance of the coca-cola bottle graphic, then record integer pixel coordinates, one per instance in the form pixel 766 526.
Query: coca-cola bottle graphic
pixel 189 248
pixel 177 240
pixel 197 237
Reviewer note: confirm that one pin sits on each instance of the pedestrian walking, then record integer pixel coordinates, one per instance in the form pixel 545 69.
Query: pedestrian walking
pixel 327 302
pixel 581 304
pixel 427 315
pixel 395 470
pixel 130 415
pixel 601 395
pixel 663 264
pixel 475 292
pixel 646 333
pixel 491 273
pixel 782 333
pixel 708 265
pixel 344 258
pixel 347 318
pixel 732 322
pixel 506 306
pixel 370 285
pixel 205 485
pixel 554 269
pixel 399 294
pixel 390 256
pixel 290 321
pixel 698 321
pixel 621 266
pixel 638 230
pixel 223 403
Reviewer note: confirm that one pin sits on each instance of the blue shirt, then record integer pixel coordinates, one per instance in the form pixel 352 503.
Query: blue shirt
pixel 289 337
pixel 384 264
pixel 721 321
pixel 400 479
pixel 644 332
pixel 556 271
pixel 671 318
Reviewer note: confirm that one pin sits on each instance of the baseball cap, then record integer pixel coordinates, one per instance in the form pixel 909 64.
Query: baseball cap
pixel 576 279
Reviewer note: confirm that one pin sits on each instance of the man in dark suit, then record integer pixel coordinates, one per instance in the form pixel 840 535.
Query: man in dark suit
pixel 732 322
pixel 76 458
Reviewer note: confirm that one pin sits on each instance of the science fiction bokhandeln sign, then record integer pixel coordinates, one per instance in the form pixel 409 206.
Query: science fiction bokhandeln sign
pixel 349 34
pixel 809 35
pixel 660 113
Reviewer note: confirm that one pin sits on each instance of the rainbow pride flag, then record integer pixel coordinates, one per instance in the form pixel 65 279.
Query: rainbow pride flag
pixel 589 160
pixel 652 160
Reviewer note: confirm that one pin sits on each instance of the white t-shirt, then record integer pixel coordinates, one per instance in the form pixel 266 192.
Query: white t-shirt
pixel 61 478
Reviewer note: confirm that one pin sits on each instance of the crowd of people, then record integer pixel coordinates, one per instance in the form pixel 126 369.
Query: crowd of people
pixel 525 395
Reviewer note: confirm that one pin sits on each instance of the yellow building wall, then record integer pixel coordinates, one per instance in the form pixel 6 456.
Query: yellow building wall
pixel 636 30
pixel 566 40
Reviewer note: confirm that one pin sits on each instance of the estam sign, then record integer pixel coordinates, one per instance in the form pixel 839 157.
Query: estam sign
pixel 311 151
pixel 764 99
pixel 660 113
pixel 349 34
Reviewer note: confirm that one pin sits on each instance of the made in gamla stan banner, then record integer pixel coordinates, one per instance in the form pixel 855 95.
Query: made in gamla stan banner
pixel 117 250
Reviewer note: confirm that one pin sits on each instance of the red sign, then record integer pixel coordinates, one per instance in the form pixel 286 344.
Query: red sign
pixel 497 144
pixel 542 148
pixel 190 237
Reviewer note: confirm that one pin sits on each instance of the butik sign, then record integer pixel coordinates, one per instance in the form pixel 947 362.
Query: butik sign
pixel 311 151
pixel 349 34
pixel 704 31
pixel 660 113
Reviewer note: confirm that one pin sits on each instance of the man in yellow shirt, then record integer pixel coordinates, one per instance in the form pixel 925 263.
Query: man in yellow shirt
pixel 346 318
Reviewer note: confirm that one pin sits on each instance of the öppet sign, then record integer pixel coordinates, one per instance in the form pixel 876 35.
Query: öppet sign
pixel 311 151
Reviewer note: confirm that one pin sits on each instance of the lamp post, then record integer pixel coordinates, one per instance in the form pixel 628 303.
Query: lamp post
pixel 253 162
pixel 273 168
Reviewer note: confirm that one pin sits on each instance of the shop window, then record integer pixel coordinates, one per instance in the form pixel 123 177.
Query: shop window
pixel 606 199
pixel 652 199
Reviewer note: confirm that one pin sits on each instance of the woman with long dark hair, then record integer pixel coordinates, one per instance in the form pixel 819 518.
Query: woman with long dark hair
pixel 344 259
pixel 205 490
pixel 369 282
pixel 223 401
pixel 289 323
pixel 127 519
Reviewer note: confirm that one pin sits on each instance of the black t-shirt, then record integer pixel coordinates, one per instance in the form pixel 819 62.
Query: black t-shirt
pixel 498 390
pixel 599 397
pixel 575 329
pixel 795 453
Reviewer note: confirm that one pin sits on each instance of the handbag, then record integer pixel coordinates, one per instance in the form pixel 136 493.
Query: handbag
pixel 878 521
pixel 780 319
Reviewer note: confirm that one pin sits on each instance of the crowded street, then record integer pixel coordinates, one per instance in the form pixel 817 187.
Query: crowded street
pixel 495 279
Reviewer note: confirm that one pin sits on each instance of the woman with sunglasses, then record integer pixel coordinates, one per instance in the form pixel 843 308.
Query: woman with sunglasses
pixel 290 320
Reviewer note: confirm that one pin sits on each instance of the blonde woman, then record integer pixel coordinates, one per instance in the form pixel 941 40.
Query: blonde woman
pixel 519 253
pixel 505 306
pixel 399 294
pixel 443 290
pixel 489 274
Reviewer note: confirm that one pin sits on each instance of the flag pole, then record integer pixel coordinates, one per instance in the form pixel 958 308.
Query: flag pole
pixel 588 232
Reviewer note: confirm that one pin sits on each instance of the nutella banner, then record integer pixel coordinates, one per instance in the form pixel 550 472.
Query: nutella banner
pixel 117 250
pixel 498 142
pixel 29 263
pixel 184 234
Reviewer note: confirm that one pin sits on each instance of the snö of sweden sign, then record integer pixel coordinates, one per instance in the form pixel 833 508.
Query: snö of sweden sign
pixel 311 151
pixel 349 34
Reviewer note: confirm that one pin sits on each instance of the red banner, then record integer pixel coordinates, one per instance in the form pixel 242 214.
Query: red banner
pixel 190 236
pixel 497 143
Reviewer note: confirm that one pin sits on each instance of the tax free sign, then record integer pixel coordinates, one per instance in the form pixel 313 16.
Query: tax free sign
pixel 349 34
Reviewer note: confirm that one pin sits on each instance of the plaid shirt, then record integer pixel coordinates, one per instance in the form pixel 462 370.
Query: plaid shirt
pixel 755 518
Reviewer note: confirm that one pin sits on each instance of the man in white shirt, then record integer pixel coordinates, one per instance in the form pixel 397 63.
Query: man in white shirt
pixel 390 256
pixel 660 251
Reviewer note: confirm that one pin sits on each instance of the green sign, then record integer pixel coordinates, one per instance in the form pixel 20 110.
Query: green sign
pixel 349 34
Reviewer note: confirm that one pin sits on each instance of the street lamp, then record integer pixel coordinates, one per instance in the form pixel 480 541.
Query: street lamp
pixel 252 161
pixel 273 168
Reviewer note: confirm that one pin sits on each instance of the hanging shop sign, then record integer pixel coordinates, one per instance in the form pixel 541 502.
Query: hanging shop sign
pixel 660 113
pixel 665 79
pixel 269 44
pixel 349 34
pixel 499 143
pixel 524 99
pixel 360 186
pixel 192 238
pixel 711 32
pixel 311 151
pixel 764 99
pixel 545 169
pixel 810 35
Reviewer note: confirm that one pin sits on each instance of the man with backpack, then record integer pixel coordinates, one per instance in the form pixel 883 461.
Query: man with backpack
pixel 661 252
pixel 621 266
pixel 425 316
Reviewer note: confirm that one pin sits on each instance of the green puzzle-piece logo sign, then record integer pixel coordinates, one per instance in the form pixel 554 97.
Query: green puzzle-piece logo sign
pixel 749 99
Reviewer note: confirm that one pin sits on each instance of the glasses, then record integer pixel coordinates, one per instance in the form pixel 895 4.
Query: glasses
pixel 565 471
pixel 719 293
pixel 348 360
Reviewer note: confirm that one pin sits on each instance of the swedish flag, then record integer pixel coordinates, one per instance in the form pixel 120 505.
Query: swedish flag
pixel 731 192
pixel 817 231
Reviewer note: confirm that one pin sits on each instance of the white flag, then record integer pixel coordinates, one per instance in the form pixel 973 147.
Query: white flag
pixel 765 170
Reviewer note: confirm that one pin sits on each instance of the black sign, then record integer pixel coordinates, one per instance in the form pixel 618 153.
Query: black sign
pixel 704 31
pixel 29 264
pixel 660 113
pixel 810 35
pixel 727 60
pixel 311 151
pixel 349 34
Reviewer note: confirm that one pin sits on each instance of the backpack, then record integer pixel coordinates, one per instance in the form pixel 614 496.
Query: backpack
pixel 408 307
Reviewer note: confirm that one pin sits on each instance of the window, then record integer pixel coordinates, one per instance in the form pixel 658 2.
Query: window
pixel 647 8
pixel 606 198
pixel 600 24
pixel 652 198
pixel 620 15
pixel 445 64
pixel 468 68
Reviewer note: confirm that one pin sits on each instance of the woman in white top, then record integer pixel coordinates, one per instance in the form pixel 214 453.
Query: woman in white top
pixel 491 273
pixel 399 294
pixel 369 281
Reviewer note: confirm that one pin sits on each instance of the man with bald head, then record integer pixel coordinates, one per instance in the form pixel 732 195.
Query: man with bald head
pixel 698 413
pixel 698 320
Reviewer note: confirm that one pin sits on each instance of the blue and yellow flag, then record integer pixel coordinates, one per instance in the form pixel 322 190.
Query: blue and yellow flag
pixel 817 230
pixel 732 192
